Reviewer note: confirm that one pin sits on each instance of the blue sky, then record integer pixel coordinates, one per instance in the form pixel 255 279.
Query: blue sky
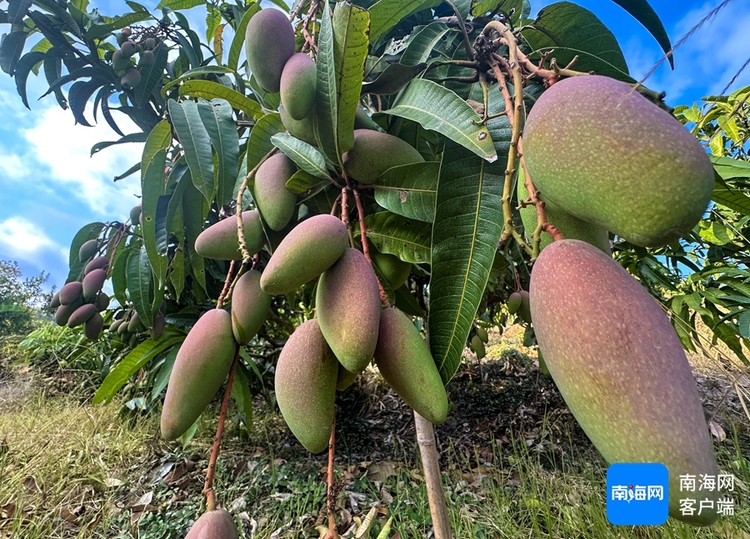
pixel 50 186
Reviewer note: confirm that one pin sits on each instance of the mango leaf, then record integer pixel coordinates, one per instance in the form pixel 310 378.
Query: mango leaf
pixel 726 196
pixel 392 234
pixel 23 68
pixel 133 137
pixel 729 168
pixel 151 76
pixel 239 36
pixel 210 90
pixel 196 143
pixel 715 233
pixel 437 108
pixel 423 42
pixel 385 14
pixel 744 324
pixel 302 182
pixel 222 130
pixel 159 138
pixel 180 4
pixel 393 79
pixel 78 98
pixel 326 102
pixel 482 7
pixel 681 322
pixel 162 379
pixel 11 48
pixel 307 157
pixel 194 212
pixel 726 333
pixel 134 361
pixel 462 8
pixel 120 273
pixel 351 25
pixel 572 30
pixel 409 190
pixel 406 302
pixel 645 14
pixel 99 30
pixel 468 224
pixel 87 232
pixel 196 72
pixel 153 188
pixel 139 285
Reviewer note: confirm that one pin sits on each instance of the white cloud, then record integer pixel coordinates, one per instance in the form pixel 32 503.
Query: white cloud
pixel 63 149
pixel 23 239
pixel 11 165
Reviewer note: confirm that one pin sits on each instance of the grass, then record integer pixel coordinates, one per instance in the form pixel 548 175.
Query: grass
pixel 72 470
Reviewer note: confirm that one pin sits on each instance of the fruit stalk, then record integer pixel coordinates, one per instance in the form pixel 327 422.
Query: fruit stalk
pixel 246 256
pixel 227 284
pixel 365 247
pixel 208 489
pixel 331 486
pixel 431 466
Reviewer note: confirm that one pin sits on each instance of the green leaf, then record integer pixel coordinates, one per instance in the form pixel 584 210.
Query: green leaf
pixel 307 157
pixel 393 79
pixel 242 395
pixel 392 234
pixel 409 190
pixel 210 90
pixel 11 48
pixel 461 7
pixel 326 111
pixel 99 30
pixel 151 76
pixel 159 138
pixel 406 302
pixel 133 137
pixel 716 233
pixel 468 224
pixel 120 274
pixel 726 196
pixel 196 72
pixel 153 187
pixel 302 182
pixel 350 28
pixel 139 284
pixel 222 130
pixel 162 379
pixel 644 14
pixel 437 108
pixel 385 14
pixel 133 362
pixel 239 36
pixel 194 212
pixel 88 232
pixel 180 4
pixel 571 30
pixel 728 335
pixel 78 98
pixel 729 168
pixel 744 324
pixel 196 144
pixel 213 20
pixel 423 42
pixel 23 68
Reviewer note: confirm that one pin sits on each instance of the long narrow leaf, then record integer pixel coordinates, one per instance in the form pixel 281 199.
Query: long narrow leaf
pixel 307 157
pixel 239 36
pixel 409 190
pixel 222 130
pixel 211 90
pixel 139 285
pixel 326 102
pixel 196 143
pixel 393 234
pixel 645 14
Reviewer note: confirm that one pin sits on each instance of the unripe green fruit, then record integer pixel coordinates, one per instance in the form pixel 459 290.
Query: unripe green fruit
pixel 345 378
pixel 219 241
pixel 298 83
pixel 250 306
pixel 127 31
pixel 114 326
pixel 130 79
pixel 374 152
pixel 146 59
pixel 620 366
pixel 542 364
pixel 514 302
pixel 395 270
pixel 55 301
pixel 482 334
pixel 123 329
pixel 150 43
pixel 92 283
pixel 571 227
pixel 135 215
pixel 100 262
pixel 63 313
pixel 607 155
pixel 408 367
pixel 216 524
pixel 305 383
pixel 87 250
pixel 121 38
pixel 120 62
pixel 128 49
pixel 269 43
pixel 71 293
pixel 81 315
pixel 136 324
pixel 133 340
pixel 307 251
pixel 201 366
pixel 275 202
pixel 303 129
pixel 347 302
pixel 92 328
pixel 157 329
pixel 477 345
pixel 362 120
pixel 524 311
pixel 101 301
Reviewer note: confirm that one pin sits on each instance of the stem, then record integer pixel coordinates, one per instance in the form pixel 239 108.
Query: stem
pixel 227 283
pixel 208 489
pixel 431 466
pixel 365 247
pixel 331 490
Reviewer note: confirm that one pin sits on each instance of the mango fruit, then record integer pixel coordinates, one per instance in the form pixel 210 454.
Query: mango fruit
pixel 202 363
pixel 524 311
pixel 374 152
pixel 571 227
pixel 87 250
pixel 408 367
pixel 362 120
pixel 130 79
pixel 136 324
pixel 345 378
pixel 135 215
pixel 620 366
pixel 477 345
pixel 146 58
pixel 307 251
pixel 71 292
pixel 92 283
pixel 250 306
pixel 101 301
pixel 482 334
pixel 297 86
pixel 219 241
pixel 64 312
pixel 128 49
pixel 216 524
pixel 605 154
pixel 269 43
pixel 55 301
pixel 514 302
pixel 274 201
pixel 81 315
pixel 395 270
pixel 119 61
pixel 100 262
pixel 303 129
pixel 305 383
pixel 93 327
pixel 157 329
pixel 347 303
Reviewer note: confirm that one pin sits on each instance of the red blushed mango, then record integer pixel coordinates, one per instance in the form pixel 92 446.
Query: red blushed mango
pixel 269 43
pixel 620 366
pixel 201 365
pixel 305 383
pixel 250 306
pixel 374 152
pixel 275 202
pixel 219 241
pixel 298 84
pixel 216 524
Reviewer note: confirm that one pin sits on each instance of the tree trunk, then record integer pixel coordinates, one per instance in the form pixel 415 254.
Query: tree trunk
pixel 432 477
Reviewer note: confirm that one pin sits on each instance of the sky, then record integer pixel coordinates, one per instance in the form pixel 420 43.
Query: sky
pixel 50 186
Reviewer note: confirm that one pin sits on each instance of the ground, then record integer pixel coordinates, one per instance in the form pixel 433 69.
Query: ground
pixel 515 462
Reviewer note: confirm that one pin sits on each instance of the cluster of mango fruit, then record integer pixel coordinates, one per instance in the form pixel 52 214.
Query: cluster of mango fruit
pixel 81 302
pixel 605 159
pixel 122 58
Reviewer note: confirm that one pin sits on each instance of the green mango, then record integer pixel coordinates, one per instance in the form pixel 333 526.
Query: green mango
pixel 374 152
pixel 269 43
pixel 274 201
pixel 219 241
pixel 620 366
pixel 299 80
pixel 250 306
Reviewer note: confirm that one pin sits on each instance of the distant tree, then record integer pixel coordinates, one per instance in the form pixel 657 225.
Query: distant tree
pixel 19 298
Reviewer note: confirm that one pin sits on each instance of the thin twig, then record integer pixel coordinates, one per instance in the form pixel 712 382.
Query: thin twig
pixel 227 284
pixel 331 484
pixel 365 246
